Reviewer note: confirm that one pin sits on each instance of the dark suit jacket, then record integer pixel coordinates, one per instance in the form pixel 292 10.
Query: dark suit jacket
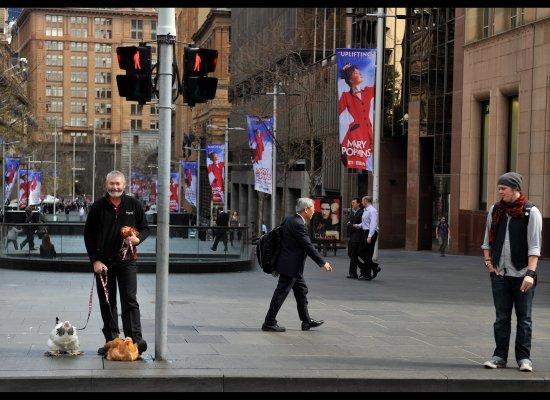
pixel 355 234
pixel 295 246
pixel 222 219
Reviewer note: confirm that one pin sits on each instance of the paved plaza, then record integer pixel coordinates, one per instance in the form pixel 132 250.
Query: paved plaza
pixel 424 324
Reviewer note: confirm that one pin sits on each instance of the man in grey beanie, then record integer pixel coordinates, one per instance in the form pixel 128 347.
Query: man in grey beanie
pixel 511 247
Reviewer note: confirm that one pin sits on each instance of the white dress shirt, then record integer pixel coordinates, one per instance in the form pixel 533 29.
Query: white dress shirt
pixel 369 220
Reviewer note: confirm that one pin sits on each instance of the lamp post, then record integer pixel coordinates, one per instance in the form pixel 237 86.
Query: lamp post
pixel 93 168
pixel 226 156
pixel 114 161
pixel 4 144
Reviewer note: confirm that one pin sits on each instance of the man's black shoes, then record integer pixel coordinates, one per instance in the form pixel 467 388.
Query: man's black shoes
pixel 273 328
pixel 142 346
pixel 306 326
pixel 376 271
pixel 102 351
pixel 352 277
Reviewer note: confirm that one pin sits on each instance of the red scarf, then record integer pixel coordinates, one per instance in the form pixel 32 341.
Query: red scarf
pixel 514 210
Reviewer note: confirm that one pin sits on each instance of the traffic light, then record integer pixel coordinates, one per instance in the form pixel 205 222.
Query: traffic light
pixel 197 87
pixel 136 85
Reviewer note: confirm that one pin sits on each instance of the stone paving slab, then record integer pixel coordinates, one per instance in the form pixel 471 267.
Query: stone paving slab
pixel 425 323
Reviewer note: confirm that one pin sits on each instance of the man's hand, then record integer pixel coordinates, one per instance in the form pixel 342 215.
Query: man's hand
pixel 100 268
pixel 490 267
pixel 527 284
pixel 327 267
pixel 369 239
pixel 134 240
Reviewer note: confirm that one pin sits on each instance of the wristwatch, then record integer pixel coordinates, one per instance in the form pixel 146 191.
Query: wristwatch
pixel 531 273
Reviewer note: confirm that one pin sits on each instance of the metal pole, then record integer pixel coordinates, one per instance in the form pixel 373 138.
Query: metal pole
pixel 378 114
pixel 166 37
pixel 93 171
pixel 114 162
pixel 198 186
pixel 74 159
pixel 55 169
pixel 274 152
pixel 130 164
pixel 225 167
pixel 3 180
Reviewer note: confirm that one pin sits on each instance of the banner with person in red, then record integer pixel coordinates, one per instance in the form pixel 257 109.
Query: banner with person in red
pixel 215 165
pixel 356 87
pixel 174 191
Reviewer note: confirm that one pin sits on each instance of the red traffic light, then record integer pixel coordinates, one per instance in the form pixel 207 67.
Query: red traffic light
pixel 199 61
pixel 134 59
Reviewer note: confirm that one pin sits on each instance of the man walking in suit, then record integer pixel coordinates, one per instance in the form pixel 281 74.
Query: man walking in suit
pixel 221 234
pixel 354 235
pixel 295 246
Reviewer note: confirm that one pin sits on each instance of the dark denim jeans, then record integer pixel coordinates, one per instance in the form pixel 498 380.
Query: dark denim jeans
pixel 506 294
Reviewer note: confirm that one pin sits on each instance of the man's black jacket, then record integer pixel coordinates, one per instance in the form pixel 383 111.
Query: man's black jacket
pixel 295 246
pixel 102 229
pixel 355 234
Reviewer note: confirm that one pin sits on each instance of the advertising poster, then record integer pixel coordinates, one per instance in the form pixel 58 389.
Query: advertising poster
pixel 174 191
pixel 326 222
pixel 215 166
pixel 356 79
pixel 189 169
pixel 11 168
pixel 24 186
pixel 261 144
pixel 143 188
pixel 35 186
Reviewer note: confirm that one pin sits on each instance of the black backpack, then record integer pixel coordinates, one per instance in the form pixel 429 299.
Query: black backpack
pixel 268 249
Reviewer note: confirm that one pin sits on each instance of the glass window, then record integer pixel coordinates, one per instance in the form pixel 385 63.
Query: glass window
pixel 79 76
pixel 153 30
pixel 79 61
pixel 102 108
pixel 102 93
pixel 56 76
pixel 513 131
pixel 103 48
pixel 484 155
pixel 53 45
pixel 136 124
pixel 102 77
pixel 136 109
pixel 103 62
pixel 136 31
pixel 79 107
pixel 56 91
pixel 79 91
pixel 54 105
pixel 79 46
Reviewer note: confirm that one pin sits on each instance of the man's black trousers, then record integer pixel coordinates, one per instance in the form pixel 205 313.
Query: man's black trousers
pixel 126 275
pixel 368 251
pixel 353 254
pixel 285 285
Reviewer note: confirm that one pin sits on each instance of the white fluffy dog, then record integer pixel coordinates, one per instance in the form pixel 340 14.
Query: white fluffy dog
pixel 63 340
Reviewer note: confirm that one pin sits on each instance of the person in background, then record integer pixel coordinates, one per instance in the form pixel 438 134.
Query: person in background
pixel 47 249
pixel 442 234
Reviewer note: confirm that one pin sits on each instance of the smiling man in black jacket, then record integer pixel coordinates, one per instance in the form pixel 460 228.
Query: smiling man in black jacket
pixel 103 243
pixel 295 246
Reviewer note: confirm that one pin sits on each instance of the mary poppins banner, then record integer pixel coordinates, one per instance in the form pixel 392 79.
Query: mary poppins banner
pixel 174 191
pixel 189 169
pixel 261 144
pixel 356 78
pixel 11 168
pixel 215 166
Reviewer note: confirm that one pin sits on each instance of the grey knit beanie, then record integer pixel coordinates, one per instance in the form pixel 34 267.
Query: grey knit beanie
pixel 511 179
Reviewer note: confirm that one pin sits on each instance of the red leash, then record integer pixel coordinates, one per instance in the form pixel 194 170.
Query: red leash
pixel 105 290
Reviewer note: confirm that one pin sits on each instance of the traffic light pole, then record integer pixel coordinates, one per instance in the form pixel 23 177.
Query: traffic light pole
pixel 166 37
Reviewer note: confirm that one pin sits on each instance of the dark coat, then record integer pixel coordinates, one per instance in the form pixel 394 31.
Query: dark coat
pixel 355 234
pixel 295 246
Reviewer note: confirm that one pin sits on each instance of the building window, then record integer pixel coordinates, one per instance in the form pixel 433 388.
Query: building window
pixel 54 59
pixel 154 124
pixel 79 61
pixel 154 110
pixel 54 31
pixel 102 77
pixel 79 121
pixel 79 32
pixel 54 105
pixel 487 23
pixel 79 76
pixel 54 18
pixel 484 155
pixel 516 17
pixel 53 45
pixel 136 139
pixel 102 93
pixel 136 124
pixel 102 108
pixel 79 91
pixel 153 30
pixel 79 20
pixel 103 48
pixel 136 109
pixel 103 123
pixel 513 131
pixel 54 91
pixel 103 21
pixel 103 33
pixel 79 107
pixel 79 46
pixel 54 120
pixel 56 76
pixel 102 62
pixel 136 31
